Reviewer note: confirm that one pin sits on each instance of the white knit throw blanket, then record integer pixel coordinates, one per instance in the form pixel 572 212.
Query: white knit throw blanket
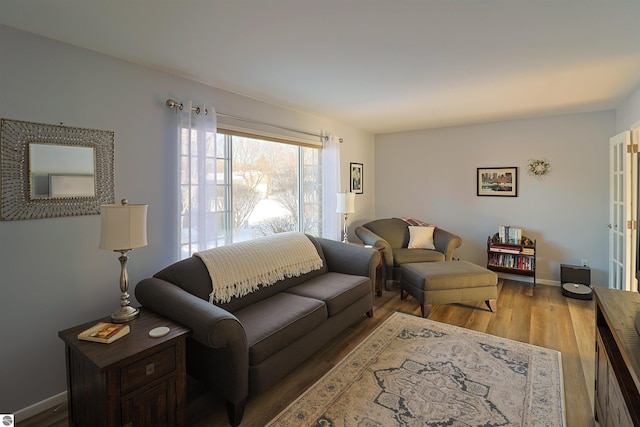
pixel 243 267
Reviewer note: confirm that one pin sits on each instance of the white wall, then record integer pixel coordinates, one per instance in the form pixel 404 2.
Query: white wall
pixel 52 274
pixel 628 113
pixel 431 175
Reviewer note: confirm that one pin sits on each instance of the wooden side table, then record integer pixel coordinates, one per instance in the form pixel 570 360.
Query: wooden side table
pixel 134 381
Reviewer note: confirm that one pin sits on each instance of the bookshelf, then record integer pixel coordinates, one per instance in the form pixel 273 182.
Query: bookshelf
pixel 515 255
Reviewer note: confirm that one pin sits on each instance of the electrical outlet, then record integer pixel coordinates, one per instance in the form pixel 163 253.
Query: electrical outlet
pixel 585 262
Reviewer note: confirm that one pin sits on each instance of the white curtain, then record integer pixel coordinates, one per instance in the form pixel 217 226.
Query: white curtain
pixel 196 138
pixel 330 187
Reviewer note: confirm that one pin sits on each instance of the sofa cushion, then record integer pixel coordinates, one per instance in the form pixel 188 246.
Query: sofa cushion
pixel 190 274
pixel 337 290
pixel 244 267
pixel 268 291
pixel 275 322
pixel 421 237
pixel 404 256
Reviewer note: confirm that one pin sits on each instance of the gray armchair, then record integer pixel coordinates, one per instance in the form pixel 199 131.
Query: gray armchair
pixel 393 235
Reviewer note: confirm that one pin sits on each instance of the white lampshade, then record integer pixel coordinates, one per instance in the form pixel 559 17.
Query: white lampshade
pixel 346 203
pixel 123 226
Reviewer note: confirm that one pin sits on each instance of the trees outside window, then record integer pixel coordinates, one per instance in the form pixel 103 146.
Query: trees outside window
pixel 252 188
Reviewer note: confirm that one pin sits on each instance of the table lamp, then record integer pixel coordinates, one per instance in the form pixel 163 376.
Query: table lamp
pixel 346 205
pixel 123 228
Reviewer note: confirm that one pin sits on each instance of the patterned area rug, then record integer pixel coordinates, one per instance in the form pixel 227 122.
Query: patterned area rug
pixel 417 372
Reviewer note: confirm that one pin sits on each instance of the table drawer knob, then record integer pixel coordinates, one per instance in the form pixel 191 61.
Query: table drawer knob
pixel 150 368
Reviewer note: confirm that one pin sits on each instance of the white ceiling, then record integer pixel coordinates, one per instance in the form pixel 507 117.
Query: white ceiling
pixel 379 65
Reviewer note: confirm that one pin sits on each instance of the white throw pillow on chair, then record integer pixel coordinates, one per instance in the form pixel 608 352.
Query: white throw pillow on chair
pixel 421 237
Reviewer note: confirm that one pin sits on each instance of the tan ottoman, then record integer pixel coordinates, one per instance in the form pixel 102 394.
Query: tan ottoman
pixel 448 282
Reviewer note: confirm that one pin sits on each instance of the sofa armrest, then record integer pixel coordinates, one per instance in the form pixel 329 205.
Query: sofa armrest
pixel 220 350
pixel 350 259
pixel 446 242
pixel 211 325
pixel 368 237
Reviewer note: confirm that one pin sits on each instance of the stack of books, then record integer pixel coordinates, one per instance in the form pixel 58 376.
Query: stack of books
pixel 509 234
pixel 496 247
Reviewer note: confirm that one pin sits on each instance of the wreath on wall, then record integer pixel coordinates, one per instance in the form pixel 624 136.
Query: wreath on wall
pixel 539 168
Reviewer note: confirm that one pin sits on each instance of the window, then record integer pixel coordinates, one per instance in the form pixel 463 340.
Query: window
pixel 244 186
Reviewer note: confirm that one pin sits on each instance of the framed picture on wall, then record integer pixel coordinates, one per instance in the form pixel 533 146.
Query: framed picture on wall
pixel 356 178
pixel 502 182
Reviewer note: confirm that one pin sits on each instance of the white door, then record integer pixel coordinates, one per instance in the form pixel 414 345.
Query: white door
pixel 621 201
pixel 632 237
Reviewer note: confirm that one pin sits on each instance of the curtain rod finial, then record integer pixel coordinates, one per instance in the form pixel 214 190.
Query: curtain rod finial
pixel 173 104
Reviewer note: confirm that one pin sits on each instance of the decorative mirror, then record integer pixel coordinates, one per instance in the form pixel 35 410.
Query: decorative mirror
pixel 539 168
pixel 53 170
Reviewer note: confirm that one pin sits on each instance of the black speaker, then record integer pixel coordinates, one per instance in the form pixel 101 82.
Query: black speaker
pixel 575 274
pixel 575 281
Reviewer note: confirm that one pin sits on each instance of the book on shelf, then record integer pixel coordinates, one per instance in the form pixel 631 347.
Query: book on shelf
pixel 509 234
pixel 511 261
pixel 104 332
pixel 504 249
pixel 512 250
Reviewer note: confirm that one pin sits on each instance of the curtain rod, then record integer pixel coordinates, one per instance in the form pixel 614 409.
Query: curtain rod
pixel 173 104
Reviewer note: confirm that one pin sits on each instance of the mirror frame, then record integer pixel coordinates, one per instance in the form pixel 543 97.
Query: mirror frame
pixel 15 179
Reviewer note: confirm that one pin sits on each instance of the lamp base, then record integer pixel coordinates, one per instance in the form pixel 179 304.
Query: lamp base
pixel 125 314
pixel 345 238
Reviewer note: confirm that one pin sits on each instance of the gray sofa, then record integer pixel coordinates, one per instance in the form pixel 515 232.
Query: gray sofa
pixel 392 234
pixel 242 347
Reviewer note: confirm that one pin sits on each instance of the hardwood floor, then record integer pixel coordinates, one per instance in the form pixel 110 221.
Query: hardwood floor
pixel 537 315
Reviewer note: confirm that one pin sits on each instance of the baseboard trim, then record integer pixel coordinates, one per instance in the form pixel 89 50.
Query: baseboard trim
pixel 42 406
pixel 528 279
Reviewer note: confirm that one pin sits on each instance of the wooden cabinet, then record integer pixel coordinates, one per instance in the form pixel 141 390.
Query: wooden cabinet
pixel 513 258
pixel 617 396
pixel 602 377
pixel 132 382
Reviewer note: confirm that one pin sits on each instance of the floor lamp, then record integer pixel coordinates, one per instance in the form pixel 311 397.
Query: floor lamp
pixel 123 228
pixel 346 205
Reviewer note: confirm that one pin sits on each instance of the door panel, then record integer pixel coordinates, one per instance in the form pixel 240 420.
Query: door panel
pixel 632 235
pixel 622 212
pixel 618 170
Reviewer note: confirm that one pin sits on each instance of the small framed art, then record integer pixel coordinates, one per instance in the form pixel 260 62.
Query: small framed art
pixel 502 182
pixel 356 177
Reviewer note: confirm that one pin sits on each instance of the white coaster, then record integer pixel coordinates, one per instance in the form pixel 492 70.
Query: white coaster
pixel 159 332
